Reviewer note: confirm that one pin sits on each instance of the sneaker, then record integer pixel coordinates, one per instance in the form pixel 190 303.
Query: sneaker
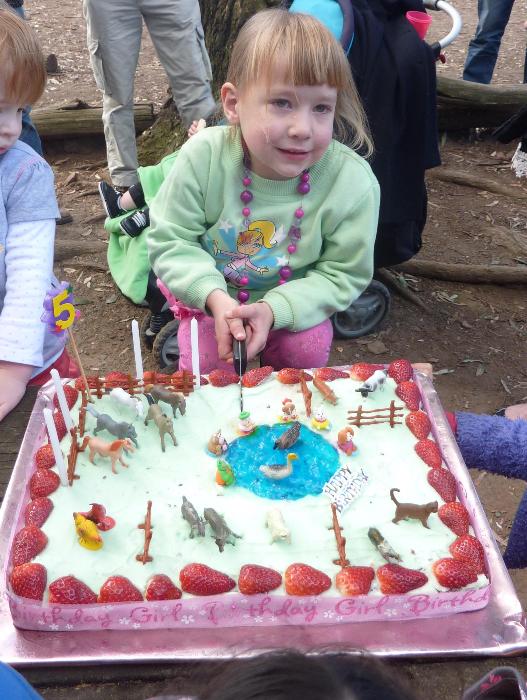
pixel 135 224
pixel 110 200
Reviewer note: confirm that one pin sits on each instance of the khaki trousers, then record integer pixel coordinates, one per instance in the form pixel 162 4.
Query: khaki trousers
pixel 114 30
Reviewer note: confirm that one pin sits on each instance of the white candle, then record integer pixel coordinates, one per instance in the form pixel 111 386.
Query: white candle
pixel 194 346
pixel 54 439
pixel 62 399
pixel 137 351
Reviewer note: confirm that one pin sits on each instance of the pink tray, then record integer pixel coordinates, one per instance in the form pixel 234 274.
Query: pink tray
pixel 499 628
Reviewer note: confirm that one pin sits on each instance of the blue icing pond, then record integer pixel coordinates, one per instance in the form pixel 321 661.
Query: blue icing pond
pixel 317 462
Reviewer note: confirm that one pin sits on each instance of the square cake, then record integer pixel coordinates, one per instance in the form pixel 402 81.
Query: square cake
pixel 323 499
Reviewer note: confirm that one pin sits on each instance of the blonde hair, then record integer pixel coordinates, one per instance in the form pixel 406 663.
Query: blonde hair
pixel 312 56
pixel 22 69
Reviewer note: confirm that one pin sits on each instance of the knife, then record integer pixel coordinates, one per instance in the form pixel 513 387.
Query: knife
pixel 239 352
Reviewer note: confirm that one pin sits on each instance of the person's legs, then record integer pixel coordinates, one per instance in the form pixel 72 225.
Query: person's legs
pixel 303 350
pixel 177 34
pixel 483 48
pixel 515 556
pixel 114 39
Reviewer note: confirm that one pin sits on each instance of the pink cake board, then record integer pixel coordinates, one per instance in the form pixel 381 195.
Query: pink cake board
pixel 205 628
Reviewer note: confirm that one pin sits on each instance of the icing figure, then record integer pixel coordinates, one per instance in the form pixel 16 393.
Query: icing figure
pixel 277 527
pixel 89 536
pixel 319 419
pixel 224 473
pixel 123 398
pixel 112 450
pixel 413 510
pixel 97 514
pixel 279 471
pixel 245 425
pixel 248 243
pixel 190 514
pixel 288 439
pixel 345 442
pixel 173 398
pixel 217 444
pixel 163 422
pixel 120 430
pixel 222 533
pixel 376 381
pixel 288 411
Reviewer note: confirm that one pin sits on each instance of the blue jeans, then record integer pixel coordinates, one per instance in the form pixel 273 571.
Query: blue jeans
pixel 483 49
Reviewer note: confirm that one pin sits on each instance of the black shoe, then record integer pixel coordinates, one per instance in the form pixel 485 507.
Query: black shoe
pixel 110 200
pixel 153 323
pixel 135 224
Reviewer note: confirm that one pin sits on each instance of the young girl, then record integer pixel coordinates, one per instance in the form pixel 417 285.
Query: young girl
pixel 27 224
pixel 269 225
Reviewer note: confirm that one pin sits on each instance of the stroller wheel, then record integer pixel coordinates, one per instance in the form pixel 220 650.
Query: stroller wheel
pixel 365 314
pixel 165 346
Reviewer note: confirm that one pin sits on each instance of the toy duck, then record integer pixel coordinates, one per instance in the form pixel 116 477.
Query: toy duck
pixel 319 419
pixel 245 425
pixel 224 473
pixel 279 471
pixel 89 536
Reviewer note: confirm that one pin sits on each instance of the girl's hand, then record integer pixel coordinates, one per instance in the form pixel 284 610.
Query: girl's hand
pixel 13 382
pixel 221 305
pixel 258 319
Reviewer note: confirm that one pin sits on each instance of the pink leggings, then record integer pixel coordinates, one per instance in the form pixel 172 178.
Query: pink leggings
pixel 303 350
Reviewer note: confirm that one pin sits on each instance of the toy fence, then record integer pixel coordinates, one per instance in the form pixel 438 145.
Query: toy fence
pixel 375 416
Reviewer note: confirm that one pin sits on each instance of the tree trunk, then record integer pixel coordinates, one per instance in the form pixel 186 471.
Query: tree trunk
pixel 458 272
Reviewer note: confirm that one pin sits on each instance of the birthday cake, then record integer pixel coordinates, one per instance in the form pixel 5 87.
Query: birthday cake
pixel 323 498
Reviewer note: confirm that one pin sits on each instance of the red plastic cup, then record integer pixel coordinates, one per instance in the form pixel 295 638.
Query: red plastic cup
pixel 420 21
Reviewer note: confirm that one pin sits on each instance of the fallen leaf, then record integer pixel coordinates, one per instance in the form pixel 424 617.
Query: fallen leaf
pixel 111 299
pixel 443 371
pixel 82 301
pixel 377 347
pixel 505 386
pixel 480 370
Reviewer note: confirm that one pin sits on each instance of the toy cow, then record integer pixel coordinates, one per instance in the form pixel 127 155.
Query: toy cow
pixel 376 381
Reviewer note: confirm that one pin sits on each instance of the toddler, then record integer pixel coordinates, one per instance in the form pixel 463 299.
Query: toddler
pixel 28 349
pixel 269 225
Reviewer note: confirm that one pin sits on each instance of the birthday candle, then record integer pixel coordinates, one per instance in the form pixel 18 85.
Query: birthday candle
pixel 137 351
pixel 62 399
pixel 57 452
pixel 194 346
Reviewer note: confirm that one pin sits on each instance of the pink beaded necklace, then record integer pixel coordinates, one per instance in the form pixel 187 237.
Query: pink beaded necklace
pixel 295 232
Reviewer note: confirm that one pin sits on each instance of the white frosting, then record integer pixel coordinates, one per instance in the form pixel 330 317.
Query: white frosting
pixel 385 454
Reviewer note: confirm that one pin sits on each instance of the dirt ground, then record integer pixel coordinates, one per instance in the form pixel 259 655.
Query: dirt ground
pixel 474 335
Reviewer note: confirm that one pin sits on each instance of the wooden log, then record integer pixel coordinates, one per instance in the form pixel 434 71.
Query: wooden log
pixel 83 120
pixel 472 274
pixel 66 249
pixel 458 177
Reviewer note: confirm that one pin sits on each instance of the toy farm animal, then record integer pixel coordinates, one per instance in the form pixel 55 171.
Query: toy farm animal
pixel 345 441
pixel 222 532
pixel 277 527
pixel 111 450
pixel 217 444
pixel 376 381
pixel 190 514
pixel 279 471
pixel 121 430
pixel 123 398
pixel 163 422
pixel 173 398
pixel 413 510
pixel 288 439
pixel 89 536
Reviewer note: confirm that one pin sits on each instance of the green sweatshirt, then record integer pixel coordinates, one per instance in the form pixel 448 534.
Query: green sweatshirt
pixel 196 218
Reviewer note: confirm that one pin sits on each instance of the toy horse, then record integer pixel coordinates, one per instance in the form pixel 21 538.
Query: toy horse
pixel 111 450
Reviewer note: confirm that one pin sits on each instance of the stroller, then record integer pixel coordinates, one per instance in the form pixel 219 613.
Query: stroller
pixel 383 51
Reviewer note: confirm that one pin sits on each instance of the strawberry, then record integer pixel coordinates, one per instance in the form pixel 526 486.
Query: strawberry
pixel 92 382
pixel 400 371
pixel 223 377
pixel 27 543
pixel 453 573
pixel 328 374
pixel 444 483
pixel 419 424
pixel 118 589
pixel 301 579
pixel 469 550
pixel 455 516
pixel 394 578
pixel 199 579
pixel 354 580
pixel 161 587
pixel 43 482
pixel 68 590
pixel 256 376
pixel 71 394
pixel 29 580
pixel 258 579
pixel 409 394
pixel 37 511
pixel 290 375
pixel 429 452
pixel 361 371
pixel 60 425
pixel 44 457
pixel 116 379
